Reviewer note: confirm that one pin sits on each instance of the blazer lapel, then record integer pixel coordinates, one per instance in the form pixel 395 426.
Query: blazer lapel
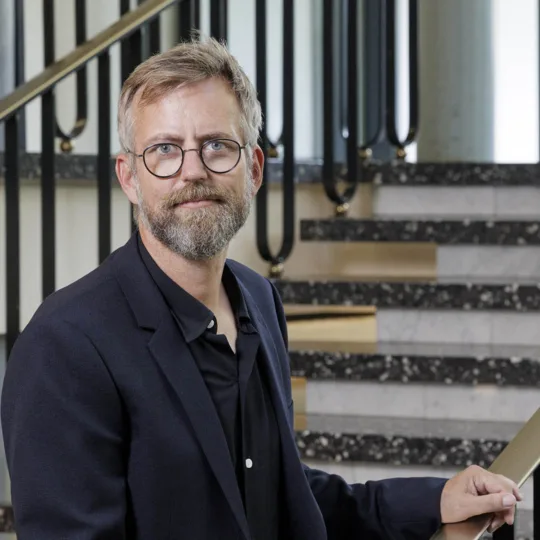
pixel 174 357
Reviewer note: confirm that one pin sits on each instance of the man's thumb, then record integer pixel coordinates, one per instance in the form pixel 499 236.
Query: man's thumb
pixel 494 502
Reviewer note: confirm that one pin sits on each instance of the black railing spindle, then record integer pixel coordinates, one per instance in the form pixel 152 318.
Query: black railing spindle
pixel 80 84
pixel 351 113
pixel 263 247
pixel 104 156
pixel 131 48
pixel 373 76
pixel 48 163
pixel 130 58
pixel 218 19
pixel 189 12
pixel 48 185
pixel 391 77
pixel 352 96
pixel 328 168
pixel 12 231
pixel 506 532
pixel 154 32
pixel 19 63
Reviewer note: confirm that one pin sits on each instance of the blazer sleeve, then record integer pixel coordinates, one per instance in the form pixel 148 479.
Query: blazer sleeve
pixel 398 508
pixel 63 435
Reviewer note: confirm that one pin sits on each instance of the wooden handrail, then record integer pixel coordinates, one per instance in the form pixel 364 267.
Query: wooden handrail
pixel 70 63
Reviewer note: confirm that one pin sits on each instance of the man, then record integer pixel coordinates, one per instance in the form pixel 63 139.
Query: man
pixel 152 398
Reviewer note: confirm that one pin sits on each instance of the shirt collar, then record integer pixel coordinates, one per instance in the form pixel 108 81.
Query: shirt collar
pixel 193 317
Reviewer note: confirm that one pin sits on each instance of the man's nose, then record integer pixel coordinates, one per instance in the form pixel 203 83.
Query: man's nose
pixel 192 167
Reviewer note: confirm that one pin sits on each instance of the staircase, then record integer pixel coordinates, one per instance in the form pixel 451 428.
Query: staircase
pixel 444 371
pixel 419 364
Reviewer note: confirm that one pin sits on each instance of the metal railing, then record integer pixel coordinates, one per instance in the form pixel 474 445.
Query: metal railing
pixel 276 261
pixel 128 27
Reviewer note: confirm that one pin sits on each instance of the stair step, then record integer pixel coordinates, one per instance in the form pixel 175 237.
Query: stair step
pixel 397 441
pixel 410 363
pixel 420 400
pixel 447 232
pixel 514 295
pixel 83 167
pixel 454 174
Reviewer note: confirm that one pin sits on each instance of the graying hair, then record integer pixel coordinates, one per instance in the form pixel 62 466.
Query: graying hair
pixel 187 63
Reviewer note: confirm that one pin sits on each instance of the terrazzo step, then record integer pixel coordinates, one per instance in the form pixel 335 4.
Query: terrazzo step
pixel 438 364
pixel 83 167
pixel 391 440
pixel 442 311
pixel 454 174
pixel 447 232
pixel 494 293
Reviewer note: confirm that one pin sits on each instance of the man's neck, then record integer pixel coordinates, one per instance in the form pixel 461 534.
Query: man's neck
pixel 201 279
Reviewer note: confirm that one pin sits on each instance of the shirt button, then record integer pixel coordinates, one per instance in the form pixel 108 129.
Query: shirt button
pixel 210 324
pixel 249 463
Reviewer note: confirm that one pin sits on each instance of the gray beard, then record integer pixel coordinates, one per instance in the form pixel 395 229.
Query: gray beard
pixel 198 234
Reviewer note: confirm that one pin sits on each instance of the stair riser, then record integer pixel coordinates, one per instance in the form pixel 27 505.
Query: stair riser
pixel 457 202
pixel 453 326
pixel 466 262
pixel 483 403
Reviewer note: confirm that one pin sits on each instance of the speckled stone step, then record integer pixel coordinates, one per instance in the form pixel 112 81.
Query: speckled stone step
pixel 447 232
pixel 443 294
pixel 83 167
pixel 442 364
pixel 454 174
pixel 437 443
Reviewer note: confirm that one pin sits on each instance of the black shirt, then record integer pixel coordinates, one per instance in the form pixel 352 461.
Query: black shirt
pixel 239 393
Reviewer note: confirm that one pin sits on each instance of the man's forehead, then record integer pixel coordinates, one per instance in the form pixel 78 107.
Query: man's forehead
pixel 188 112
pixel 214 90
pixel 210 100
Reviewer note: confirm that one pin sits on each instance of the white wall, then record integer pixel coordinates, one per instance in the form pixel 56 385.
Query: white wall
pixel 516 89
pixel 516 81
pixel 242 43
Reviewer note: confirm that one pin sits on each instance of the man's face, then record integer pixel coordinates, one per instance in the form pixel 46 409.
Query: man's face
pixel 196 212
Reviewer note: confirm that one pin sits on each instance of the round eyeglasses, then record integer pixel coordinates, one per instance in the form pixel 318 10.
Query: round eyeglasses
pixel 164 160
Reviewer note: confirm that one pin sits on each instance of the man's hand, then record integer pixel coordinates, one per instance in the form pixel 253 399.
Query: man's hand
pixel 476 491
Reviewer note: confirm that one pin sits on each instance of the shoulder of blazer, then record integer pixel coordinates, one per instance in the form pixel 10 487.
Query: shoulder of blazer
pixel 87 300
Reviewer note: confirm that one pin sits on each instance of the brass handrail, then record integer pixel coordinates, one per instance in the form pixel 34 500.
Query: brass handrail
pixel 81 55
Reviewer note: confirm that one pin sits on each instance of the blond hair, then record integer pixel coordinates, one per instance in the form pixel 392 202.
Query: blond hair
pixel 186 63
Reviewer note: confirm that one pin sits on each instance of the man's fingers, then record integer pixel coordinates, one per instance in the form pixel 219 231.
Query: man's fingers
pixel 492 503
pixel 515 489
pixel 494 483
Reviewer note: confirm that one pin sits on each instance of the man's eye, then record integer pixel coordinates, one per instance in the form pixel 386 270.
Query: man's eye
pixel 216 146
pixel 165 149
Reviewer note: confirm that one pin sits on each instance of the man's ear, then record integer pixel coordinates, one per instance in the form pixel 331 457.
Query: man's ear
pixel 257 168
pixel 126 177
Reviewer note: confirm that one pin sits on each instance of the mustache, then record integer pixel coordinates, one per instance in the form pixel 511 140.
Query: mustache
pixel 195 192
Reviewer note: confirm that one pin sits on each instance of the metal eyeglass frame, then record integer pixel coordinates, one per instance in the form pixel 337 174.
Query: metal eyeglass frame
pixel 199 152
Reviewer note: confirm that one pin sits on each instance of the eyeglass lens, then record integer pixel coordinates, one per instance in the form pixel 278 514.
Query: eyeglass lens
pixel 218 155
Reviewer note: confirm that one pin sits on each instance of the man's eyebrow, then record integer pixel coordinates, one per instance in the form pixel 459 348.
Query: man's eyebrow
pixel 176 139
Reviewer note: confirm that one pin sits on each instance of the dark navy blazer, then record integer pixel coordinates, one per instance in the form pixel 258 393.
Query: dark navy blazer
pixel 111 434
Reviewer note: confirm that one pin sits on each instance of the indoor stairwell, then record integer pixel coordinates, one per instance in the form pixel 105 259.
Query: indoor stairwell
pixel 413 312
